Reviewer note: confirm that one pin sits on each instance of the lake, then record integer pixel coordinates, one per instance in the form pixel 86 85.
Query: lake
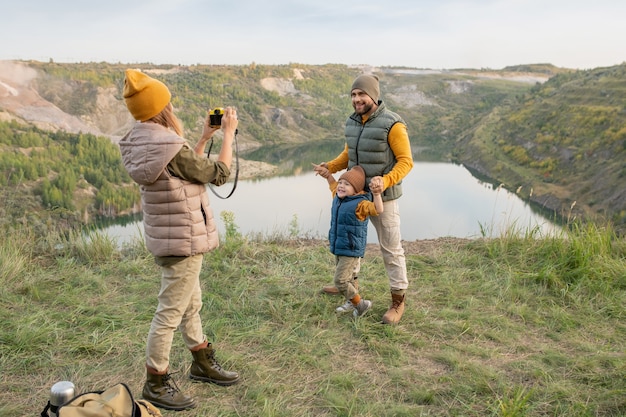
pixel 440 200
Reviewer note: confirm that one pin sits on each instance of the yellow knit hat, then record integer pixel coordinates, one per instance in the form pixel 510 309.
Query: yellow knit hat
pixel 145 97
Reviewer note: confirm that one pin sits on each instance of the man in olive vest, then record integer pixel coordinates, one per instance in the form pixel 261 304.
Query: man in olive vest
pixel 377 140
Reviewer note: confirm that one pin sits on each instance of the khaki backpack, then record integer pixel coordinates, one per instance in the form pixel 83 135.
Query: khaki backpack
pixel 116 401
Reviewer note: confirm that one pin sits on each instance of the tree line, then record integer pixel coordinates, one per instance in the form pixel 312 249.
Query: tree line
pixel 57 166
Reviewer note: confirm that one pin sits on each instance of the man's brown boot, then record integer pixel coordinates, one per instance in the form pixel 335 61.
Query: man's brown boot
pixel 332 290
pixel 162 392
pixel 206 369
pixel 394 314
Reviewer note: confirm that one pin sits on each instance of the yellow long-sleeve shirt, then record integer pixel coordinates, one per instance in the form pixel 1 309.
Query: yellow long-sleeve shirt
pixel 398 139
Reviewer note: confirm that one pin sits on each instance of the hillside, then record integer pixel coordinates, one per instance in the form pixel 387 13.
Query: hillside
pixel 277 104
pixel 554 135
pixel 562 144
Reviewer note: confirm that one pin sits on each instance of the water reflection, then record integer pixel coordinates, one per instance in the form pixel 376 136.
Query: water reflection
pixel 297 158
pixel 440 199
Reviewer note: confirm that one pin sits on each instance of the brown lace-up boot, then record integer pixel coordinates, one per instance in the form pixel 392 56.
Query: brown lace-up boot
pixel 394 314
pixel 162 392
pixel 332 290
pixel 206 369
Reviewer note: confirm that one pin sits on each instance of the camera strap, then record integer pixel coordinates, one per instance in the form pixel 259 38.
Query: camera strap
pixel 236 170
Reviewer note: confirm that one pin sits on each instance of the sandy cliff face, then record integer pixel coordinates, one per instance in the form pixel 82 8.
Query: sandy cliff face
pixel 110 115
pixel 20 100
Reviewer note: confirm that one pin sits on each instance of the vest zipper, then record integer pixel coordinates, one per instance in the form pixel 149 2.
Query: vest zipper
pixel 358 139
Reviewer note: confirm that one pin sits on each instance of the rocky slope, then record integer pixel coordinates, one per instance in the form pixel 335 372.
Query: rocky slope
pixel 19 100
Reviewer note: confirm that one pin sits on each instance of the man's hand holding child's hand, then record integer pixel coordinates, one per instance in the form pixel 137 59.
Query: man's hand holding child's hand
pixel 377 185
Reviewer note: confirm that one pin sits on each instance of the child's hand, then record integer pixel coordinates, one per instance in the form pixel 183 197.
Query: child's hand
pixel 377 185
pixel 321 170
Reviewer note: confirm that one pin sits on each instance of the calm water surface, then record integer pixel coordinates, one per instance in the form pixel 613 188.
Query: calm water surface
pixel 440 199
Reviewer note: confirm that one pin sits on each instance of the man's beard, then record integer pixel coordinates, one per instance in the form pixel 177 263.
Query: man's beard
pixel 366 109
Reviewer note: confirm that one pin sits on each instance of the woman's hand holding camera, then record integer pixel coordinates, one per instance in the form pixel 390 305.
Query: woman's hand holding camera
pixel 229 120
pixel 228 124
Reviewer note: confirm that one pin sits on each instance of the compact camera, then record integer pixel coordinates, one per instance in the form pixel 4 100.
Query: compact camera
pixel 215 117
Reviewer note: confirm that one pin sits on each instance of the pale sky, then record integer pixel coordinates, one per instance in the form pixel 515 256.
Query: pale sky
pixel 438 34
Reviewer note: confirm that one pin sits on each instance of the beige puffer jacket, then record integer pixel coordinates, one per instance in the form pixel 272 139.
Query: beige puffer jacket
pixel 178 220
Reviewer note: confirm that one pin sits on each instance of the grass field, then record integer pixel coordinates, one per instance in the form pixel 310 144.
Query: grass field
pixel 519 325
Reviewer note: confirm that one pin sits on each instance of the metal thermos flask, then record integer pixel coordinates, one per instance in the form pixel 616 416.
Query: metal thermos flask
pixel 60 393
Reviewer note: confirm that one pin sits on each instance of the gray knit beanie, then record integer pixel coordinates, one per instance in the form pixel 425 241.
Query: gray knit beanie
pixel 369 84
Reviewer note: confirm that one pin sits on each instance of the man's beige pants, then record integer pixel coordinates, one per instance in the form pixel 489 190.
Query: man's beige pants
pixel 387 227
